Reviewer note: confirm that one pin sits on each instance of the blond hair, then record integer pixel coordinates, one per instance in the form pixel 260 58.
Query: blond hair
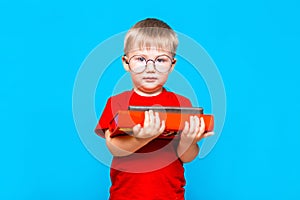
pixel 151 33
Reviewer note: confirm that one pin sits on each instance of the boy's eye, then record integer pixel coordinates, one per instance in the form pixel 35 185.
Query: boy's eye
pixel 139 59
pixel 161 60
pixel 142 59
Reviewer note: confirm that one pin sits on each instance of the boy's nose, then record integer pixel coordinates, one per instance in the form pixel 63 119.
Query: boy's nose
pixel 150 67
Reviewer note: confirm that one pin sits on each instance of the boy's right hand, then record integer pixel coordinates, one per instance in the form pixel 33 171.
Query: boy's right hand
pixel 152 127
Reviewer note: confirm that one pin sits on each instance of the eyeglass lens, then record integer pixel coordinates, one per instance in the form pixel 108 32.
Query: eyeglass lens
pixel 138 63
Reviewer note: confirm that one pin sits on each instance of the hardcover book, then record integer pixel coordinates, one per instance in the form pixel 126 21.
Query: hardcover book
pixel 175 118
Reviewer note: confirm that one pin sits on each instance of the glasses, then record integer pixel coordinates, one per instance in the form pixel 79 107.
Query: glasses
pixel 138 64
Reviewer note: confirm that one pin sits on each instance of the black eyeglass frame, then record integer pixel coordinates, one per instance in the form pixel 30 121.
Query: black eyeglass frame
pixel 128 61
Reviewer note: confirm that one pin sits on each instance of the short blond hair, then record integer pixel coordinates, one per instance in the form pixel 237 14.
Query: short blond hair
pixel 150 33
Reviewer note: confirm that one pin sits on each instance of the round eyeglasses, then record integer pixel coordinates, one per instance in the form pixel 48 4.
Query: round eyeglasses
pixel 138 64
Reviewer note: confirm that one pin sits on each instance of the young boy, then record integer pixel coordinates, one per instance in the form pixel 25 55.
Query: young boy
pixel 146 166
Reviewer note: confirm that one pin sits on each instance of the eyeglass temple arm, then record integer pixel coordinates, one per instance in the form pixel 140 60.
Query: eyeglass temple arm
pixel 126 61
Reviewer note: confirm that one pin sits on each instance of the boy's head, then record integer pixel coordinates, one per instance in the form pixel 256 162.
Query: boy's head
pixel 150 46
pixel 151 33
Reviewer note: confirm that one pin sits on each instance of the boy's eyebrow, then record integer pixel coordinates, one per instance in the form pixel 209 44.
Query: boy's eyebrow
pixel 146 56
pixel 140 54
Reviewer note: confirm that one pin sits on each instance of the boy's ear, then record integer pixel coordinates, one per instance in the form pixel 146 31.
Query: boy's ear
pixel 125 63
pixel 173 64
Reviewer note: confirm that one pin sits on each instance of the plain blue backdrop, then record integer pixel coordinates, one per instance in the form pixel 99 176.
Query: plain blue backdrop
pixel 255 45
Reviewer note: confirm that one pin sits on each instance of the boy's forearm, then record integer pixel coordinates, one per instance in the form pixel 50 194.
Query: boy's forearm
pixel 187 154
pixel 124 145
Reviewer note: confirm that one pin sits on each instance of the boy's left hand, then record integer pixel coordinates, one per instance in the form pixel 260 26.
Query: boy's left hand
pixel 194 131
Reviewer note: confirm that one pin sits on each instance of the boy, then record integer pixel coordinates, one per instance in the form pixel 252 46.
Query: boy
pixel 146 166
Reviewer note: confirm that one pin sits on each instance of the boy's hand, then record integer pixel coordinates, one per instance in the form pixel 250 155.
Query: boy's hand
pixel 193 132
pixel 152 127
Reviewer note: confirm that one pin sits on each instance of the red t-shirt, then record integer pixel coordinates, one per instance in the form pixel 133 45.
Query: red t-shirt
pixel 154 171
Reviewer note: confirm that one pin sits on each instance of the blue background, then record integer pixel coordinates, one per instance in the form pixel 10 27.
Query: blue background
pixel 255 45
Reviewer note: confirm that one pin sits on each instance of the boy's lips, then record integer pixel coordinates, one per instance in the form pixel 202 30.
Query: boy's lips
pixel 150 79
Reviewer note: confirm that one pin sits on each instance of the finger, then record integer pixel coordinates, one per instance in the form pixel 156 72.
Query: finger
pixel 202 125
pixel 197 124
pixel 162 127
pixel 146 120
pixel 192 125
pixel 205 135
pixel 186 128
pixel 151 118
pixel 157 121
pixel 107 134
pixel 208 134
pixel 136 129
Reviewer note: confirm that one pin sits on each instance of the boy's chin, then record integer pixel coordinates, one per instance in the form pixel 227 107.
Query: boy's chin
pixel 149 91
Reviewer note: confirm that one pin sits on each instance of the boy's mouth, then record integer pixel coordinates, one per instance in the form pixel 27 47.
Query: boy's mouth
pixel 150 79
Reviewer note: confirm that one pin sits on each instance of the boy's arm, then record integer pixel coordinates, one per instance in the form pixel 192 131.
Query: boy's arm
pixel 192 133
pixel 126 145
pixel 187 154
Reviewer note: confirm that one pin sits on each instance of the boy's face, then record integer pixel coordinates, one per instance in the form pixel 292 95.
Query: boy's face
pixel 150 81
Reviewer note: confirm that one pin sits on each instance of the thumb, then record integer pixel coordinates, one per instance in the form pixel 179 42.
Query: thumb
pixel 136 129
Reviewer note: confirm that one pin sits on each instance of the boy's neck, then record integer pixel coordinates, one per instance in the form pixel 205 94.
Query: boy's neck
pixel 150 94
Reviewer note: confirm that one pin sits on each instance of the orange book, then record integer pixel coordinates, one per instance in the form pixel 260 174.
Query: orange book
pixel 175 119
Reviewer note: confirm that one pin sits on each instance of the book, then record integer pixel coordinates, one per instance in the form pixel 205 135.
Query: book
pixel 169 109
pixel 175 118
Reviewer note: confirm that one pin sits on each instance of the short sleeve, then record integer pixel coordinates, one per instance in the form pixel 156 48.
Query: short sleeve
pixel 113 105
pixel 106 117
pixel 184 102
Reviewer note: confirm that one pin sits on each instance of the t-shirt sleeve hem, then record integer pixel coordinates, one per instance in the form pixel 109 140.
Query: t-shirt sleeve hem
pixel 100 132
